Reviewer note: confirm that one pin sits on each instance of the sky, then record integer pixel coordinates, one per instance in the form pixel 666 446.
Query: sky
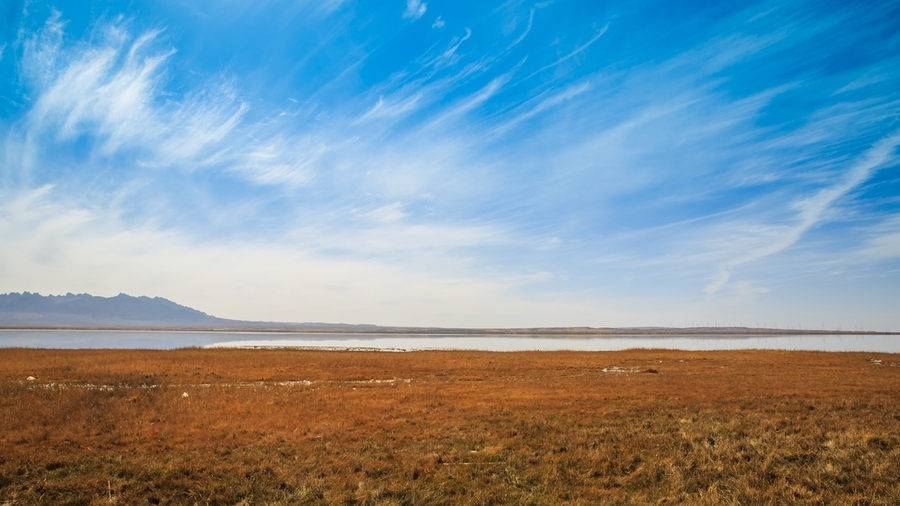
pixel 456 163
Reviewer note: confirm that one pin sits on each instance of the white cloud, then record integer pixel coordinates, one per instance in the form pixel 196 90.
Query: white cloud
pixel 527 30
pixel 438 23
pixel 810 211
pixel 398 107
pixel 868 79
pixel 883 243
pixel 111 93
pixel 114 93
pixel 326 7
pixel 432 195
pixel 572 54
pixel 387 214
pixel 885 246
pixel 279 161
pixel 49 247
pixel 414 9
pixel 543 102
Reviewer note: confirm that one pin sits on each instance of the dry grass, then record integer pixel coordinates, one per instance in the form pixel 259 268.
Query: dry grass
pixel 309 427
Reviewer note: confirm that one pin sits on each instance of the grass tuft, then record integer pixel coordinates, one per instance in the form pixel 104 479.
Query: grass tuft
pixel 368 428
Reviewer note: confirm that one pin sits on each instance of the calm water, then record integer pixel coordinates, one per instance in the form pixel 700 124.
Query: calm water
pixel 169 340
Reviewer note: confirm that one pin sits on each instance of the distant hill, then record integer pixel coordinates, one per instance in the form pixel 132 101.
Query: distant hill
pixel 33 309
pixel 85 311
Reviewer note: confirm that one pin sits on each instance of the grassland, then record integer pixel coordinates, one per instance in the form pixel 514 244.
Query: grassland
pixel 308 427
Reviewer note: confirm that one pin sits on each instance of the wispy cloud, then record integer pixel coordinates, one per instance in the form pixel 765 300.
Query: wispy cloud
pixel 415 9
pixel 420 172
pixel 525 32
pixel 89 250
pixel 399 107
pixel 884 241
pixel 449 56
pixel 544 102
pixel 810 211
pixel 110 93
pixel 572 54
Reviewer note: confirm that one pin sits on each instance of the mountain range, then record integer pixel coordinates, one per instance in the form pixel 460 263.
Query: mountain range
pixel 77 311
pixel 32 310
pixel 28 309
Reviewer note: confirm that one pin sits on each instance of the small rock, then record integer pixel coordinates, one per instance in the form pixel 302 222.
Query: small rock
pixel 184 395
pixel 31 378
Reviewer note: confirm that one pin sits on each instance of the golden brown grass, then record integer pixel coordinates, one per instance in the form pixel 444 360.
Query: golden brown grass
pixel 309 427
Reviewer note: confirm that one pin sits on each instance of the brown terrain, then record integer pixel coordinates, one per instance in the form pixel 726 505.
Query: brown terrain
pixel 227 426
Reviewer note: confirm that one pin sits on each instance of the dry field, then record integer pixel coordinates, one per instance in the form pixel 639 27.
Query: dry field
pixel 308 427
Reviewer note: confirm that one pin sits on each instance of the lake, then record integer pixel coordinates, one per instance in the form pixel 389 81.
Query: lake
pixel 410 342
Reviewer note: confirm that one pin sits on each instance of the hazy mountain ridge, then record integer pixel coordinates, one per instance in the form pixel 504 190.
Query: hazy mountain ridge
pixel 74 311
pixel 33 310
pixel 28 308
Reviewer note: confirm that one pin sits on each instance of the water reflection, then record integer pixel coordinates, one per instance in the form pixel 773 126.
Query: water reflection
pixel 872 343
pixel 117 339
pixel 410 342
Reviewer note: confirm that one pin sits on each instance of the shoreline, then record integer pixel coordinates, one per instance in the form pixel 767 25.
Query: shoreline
pixel 176 339
pixel 437 331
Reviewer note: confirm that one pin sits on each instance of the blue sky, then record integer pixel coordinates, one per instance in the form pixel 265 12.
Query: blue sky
pixel 558 163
